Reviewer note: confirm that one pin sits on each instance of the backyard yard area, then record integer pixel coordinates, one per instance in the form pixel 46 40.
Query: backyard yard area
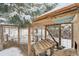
pixel 34 29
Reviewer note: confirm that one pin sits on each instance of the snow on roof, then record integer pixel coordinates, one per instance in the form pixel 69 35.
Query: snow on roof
pixel 61 5
pixel 11 52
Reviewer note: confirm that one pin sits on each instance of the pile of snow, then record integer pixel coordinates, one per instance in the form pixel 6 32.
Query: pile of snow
pixel 11 52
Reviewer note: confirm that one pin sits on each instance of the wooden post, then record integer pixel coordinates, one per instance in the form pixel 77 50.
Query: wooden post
pixel 33 34
pixel 9 31
pixel 60 34
pixel 41 34
pixel 45 32
pixel 72 35
pixel 2 37
pixel 36 35
pixel 29 42
pixel 76 32
pixel 18 37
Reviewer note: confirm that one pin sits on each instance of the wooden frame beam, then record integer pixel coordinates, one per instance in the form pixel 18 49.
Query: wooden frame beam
pixel 29 41
pixel 60 34
pixel 45 32
pixel 59 24
pixel 18 37
pixel 2 34
pixel 41 33
pixel 72 35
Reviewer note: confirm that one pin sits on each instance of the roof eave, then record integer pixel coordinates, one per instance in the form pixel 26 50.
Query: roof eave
pixel 59 11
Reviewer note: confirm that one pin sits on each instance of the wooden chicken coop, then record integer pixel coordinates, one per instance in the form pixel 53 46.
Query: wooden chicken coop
pixel 65 17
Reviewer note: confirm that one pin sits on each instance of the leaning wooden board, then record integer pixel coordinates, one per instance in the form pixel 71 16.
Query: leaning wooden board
pixel 43 45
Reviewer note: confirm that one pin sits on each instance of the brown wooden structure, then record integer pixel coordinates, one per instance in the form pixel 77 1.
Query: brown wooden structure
pixel 66 15
pixel 42 45
pixel 9 26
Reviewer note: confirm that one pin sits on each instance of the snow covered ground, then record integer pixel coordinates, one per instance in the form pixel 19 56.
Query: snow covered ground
pixel 11 52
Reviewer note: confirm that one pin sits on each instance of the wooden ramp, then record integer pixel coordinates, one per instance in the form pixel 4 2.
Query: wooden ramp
pixel 43 45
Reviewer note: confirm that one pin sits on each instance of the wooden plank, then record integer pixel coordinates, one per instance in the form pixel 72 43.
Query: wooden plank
pixel 42 46
pixel 18 37
pixel 45 32
pixel 59 34
pixel 2 37
pixel 58 24
pixel 48 43
pixel 51 42
pixel 66 14
pixel 41 33
pixel 39 48
pixel 72 35
pixel 42 22
pixel 29 41
pixel 76 31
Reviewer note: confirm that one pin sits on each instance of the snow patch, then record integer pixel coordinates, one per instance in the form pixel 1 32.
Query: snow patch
pixel 11 52
pixel 4 19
